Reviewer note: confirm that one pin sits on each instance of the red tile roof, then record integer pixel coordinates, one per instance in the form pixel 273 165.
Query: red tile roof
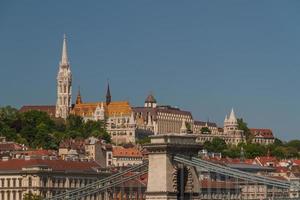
pixel 262 133
pixel 50 109
pixel 55 165
pixel 126 152
pixel 296 162
pixel 11 146
pixel 264 160
pixel 76 144
pixel 39 152
pixel 280 169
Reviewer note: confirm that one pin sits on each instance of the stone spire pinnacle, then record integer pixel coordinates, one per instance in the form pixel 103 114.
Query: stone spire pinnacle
pixel 131 120
pixel 78 98
pixel 183 128
pixel 232 115
pixel 108 96
pixel 149 123
pixel 64 56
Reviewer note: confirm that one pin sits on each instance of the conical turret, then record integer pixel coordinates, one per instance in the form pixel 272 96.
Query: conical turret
pixel 232 117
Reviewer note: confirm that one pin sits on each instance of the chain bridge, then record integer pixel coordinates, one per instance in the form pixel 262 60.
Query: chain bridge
pixel 174 171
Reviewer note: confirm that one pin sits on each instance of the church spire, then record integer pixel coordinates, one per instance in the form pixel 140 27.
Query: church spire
pixel 64 55
pixel 108 96
pixel 78 98
pixel 64 85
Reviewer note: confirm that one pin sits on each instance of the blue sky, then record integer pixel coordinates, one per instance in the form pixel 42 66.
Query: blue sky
pixel 202 56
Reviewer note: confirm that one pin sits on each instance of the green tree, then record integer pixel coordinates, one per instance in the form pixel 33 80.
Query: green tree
pixel 232 151
pixel 294 144
pixel 74 123
pixel 145 140
pixel 8 119
pixel 242 125
pixel 36 129
pixel 8 115
pixel 106 136
pixel 30 196
pixel 216 145
pixel 188 127
pixel 94 128
pixel 205 130
pixel 278 142
pixel 254 150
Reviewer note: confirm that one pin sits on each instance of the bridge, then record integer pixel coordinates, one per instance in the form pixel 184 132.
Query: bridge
pixel 174 171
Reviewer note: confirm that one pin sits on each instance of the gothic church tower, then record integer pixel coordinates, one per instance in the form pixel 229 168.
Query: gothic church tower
pixel 64 85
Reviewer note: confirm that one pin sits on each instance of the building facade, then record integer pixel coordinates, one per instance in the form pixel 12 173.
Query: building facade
pixel 45 177
pixel 161 119
pixel 126 156
pixel 117 116
pixel 262 136
pixel 199 125
pixel 230 133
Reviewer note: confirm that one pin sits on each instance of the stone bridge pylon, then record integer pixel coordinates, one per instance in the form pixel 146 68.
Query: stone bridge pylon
pixel 167 179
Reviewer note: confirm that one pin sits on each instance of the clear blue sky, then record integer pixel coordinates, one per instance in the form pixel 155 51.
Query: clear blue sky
pixel 203 56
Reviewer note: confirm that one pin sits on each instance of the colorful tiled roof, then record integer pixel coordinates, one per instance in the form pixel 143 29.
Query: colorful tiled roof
pixel 126 152
pixel 55 165
pixel 262 133
pixel 115 108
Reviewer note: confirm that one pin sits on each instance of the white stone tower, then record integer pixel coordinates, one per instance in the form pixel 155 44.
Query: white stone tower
pixel 64 84
pixel 230 123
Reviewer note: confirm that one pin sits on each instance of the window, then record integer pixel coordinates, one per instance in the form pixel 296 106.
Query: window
pixel 14 183
pixel 8 182
pixel 20 182
pixel 29 182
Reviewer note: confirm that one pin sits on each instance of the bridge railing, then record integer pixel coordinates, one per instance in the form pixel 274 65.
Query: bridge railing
pixel 227 171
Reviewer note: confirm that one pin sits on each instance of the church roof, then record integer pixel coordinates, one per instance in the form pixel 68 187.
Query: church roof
pixel 115 108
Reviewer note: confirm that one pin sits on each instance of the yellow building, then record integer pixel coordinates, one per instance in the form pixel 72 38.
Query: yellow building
pixel 119 118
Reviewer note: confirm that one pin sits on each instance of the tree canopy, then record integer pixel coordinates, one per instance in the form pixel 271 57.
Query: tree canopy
pixel 205 130
pixel 37 130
